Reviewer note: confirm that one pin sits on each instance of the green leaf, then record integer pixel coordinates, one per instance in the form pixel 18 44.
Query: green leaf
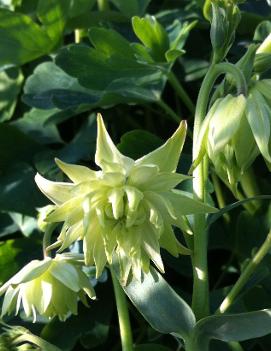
pixel 130 147
pixel 111 76
pixel 26 224
pixel 50 87
pixel 53 14
pixel 23 150
pixel 17 182
pixel 10 86
pixel 79 7
pixel 14 254
pixel 214 217
pixel 159 304
pixel 153 36
pixel 34 124
pixel 21 40
pixel 132 7
pixel 233 327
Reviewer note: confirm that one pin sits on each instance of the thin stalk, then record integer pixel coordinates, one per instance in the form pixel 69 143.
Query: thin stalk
pixel 169 111
pixel 123 315
pixel 250 186
pixel 246 274
pixel 219 195
pixel 77 36
pixel 200 298
pixel 103 5
pixel 181 92
pixel 46 241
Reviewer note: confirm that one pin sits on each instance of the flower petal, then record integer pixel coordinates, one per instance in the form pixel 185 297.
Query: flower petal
pixel 107 154
pixel 57 192
pixel 76 173
pixel 166 157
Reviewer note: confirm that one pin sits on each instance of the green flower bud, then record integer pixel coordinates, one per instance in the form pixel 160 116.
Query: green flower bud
pixel 127 208
pixel 224 136
pixel 224 19
pixel 17 338
pixel 50 287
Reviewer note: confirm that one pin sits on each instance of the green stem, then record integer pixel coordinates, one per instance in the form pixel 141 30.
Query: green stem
pixel 77 35
pixel 250 186
pixel 123 315
pixel 181 92
pixel 169 111
pixel 103 5
pixel 47 239
pixel 219 195
pixel 246 274
pixel 200 298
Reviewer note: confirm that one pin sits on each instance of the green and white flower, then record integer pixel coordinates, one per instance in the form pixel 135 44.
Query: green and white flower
pixel 236 130
pixel 128 208
pixel 51 287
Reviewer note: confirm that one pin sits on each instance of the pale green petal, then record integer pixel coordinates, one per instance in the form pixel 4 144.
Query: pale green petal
pixel 9 300
pixel 66 273
pixel 73 234
pixel 106 152
pixel 115 197
pixel 76 173
pixel 62 212
pixel 86 285
pixel 162 203
pixel 225 121
pixel 31 271
pixel 184 204
pixel 166 157
pixel 124 265
pixel 140 175
pixel 152 248
pixel 110 241
pixel 168 241
pixel 27 306
pixel 70 300
pixel 57 192
pixel 47 292
pixel 258 115
pixel 99 256
pixel 134 196
pixel 244 145
pixel 165 181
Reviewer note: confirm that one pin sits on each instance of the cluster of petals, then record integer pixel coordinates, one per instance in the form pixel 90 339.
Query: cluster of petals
pixel 127 209
pixel 49 287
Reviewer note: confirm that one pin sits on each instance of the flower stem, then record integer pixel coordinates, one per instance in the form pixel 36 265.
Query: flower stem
pixel 103 5
pixel 123 315
pixel 181 92
pixel 77 35
pixel 47 239
pixel 250 186
pixel 200 298
pixel 169 111
pixel 246 274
